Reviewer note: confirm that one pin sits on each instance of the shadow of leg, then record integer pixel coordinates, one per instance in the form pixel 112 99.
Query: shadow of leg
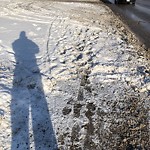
pixel 19 122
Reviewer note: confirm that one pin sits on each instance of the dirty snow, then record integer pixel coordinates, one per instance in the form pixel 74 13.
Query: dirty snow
pixel 72 77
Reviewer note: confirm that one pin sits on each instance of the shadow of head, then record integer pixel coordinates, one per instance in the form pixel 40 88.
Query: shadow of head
pixel 22 35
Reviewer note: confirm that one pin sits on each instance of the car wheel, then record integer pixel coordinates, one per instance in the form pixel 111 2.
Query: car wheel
pixel 116 2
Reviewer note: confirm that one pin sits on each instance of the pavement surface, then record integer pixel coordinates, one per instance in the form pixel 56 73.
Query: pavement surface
pixel 137 17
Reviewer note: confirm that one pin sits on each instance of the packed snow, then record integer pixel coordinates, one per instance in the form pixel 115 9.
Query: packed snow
pixel 72 77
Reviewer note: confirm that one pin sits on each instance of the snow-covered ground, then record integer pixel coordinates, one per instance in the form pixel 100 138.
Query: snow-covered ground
pixel 71 78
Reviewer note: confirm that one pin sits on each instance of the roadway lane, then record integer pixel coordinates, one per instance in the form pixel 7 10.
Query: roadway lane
pixel 137 17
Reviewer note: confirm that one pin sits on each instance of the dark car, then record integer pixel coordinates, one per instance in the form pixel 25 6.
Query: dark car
pixel 125 2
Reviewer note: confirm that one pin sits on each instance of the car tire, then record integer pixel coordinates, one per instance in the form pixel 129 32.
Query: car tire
pixel 116 2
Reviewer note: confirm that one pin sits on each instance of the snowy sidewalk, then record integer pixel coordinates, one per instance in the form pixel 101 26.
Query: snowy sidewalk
pixel 71 78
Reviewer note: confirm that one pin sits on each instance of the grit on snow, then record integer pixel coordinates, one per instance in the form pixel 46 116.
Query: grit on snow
pixel 72 77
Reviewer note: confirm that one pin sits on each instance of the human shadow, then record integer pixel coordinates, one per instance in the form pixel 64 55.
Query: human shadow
pixel 30 119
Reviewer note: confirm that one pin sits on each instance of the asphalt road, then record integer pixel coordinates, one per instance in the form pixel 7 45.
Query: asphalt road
pixel 137 17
